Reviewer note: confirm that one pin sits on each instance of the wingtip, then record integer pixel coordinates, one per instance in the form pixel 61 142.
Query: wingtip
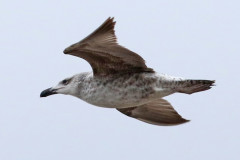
pixel 66 51
pixel 110 20
pixel 182 121
pixel 213 82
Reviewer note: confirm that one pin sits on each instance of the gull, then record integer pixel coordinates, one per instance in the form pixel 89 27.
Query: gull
pixel 120 79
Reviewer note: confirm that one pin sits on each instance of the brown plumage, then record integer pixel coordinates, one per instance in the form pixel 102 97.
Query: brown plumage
pixel 159 112
pixel 105 56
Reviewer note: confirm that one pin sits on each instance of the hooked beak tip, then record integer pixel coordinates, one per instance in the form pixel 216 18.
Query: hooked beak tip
pixel 48 92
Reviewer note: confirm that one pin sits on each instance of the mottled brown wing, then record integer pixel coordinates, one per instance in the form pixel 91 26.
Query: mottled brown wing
pixel 104 54
pixel 159 112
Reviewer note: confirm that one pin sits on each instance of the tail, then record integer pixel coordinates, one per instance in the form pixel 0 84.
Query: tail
pixel 192 86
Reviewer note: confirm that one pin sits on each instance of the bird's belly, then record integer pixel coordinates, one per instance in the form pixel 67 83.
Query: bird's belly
pixel 118 101
pixel 121 97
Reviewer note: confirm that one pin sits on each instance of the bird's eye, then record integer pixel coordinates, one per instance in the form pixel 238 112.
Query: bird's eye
pixel 65 82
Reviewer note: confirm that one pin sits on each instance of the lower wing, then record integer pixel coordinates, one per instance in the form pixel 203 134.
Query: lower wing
pixel 159 112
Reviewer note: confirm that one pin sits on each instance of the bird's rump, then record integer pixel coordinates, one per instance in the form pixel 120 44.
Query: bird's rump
pixel 105 56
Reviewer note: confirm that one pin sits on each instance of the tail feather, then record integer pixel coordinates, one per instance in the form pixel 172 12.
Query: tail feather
pixel 192 86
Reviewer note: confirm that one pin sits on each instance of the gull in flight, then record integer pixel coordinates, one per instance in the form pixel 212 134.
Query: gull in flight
pixel 120 79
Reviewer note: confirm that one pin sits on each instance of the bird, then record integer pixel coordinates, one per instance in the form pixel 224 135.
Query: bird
pixel 120 79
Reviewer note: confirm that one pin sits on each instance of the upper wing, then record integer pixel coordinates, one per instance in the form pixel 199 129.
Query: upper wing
pixel 104 54
pixel 159 112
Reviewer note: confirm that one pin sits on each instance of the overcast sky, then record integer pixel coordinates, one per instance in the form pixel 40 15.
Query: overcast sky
pixel 193 39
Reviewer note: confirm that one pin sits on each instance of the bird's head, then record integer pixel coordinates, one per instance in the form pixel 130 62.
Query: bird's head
pixel 68 86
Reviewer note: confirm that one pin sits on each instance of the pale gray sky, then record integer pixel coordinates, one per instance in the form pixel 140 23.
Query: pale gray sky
pixel 193 39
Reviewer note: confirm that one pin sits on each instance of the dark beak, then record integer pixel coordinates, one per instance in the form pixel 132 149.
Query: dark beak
pixel 48 92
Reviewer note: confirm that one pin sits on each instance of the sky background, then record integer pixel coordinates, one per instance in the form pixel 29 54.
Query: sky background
pixel 193 39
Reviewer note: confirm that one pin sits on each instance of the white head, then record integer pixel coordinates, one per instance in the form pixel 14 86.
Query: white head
pixel 68 86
